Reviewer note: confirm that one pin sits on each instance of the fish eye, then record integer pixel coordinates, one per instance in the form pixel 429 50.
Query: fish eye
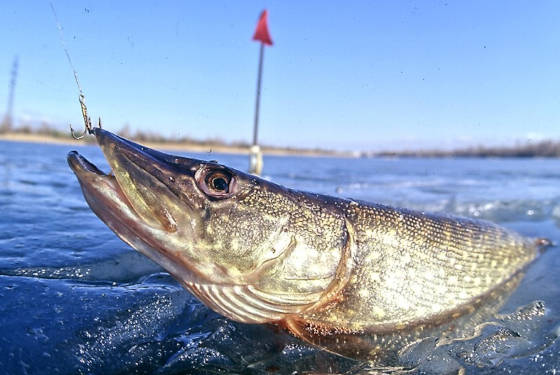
pixel 216 182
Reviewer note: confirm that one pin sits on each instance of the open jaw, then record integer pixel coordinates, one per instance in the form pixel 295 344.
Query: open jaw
pixel 106 198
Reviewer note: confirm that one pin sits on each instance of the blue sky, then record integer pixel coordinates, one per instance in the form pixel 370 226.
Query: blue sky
pixel 345 75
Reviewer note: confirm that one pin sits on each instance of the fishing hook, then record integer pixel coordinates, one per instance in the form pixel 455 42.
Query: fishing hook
pixel 88 128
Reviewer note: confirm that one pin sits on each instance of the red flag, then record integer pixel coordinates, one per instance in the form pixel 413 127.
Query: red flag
pixel 261 32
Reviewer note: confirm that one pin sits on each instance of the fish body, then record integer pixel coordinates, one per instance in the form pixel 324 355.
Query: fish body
pixel 359 279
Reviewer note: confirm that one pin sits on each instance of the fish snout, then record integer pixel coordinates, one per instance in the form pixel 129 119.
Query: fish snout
pixel 143 178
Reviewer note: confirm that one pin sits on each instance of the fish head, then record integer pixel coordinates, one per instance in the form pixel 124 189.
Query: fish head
pixel 248 248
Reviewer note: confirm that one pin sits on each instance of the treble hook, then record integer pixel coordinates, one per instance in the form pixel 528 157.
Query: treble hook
pixel 87 120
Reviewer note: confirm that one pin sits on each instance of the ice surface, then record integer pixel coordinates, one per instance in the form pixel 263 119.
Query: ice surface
pixel 76 300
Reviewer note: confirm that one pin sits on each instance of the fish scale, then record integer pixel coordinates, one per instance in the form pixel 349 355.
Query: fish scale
pixel 430 254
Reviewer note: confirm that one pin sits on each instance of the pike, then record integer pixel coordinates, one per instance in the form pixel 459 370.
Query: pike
pixel 358 279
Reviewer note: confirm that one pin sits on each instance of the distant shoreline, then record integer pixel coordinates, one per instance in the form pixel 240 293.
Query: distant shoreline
pixel 542 149
pixel 175 146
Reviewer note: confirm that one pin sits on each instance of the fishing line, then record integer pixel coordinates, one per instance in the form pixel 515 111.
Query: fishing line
pixel 82 99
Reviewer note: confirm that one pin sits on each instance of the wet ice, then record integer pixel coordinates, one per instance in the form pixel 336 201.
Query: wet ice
pixel 75 299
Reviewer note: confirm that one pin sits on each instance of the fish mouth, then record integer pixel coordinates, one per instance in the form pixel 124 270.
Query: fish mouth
pixel 140 178
pixel 140 200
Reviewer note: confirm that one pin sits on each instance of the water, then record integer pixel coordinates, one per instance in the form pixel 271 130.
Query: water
pixel 75 299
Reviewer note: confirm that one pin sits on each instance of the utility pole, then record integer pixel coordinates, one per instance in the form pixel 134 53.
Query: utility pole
pixel 8 119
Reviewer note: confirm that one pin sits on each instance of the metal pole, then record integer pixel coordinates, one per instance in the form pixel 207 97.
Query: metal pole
pixel 255 157
pixel 257 104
